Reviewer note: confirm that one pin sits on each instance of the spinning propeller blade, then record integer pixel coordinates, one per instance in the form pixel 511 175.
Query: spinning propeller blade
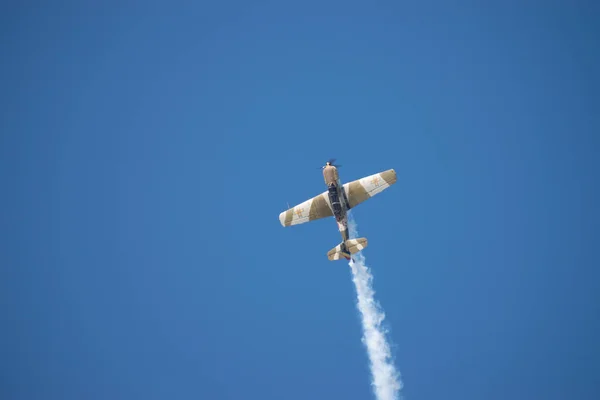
pixel 331 162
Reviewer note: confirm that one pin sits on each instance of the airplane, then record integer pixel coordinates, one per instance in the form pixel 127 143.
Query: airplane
pixel 336 202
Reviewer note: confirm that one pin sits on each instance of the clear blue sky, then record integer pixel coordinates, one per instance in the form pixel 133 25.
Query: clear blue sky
pixel 146 154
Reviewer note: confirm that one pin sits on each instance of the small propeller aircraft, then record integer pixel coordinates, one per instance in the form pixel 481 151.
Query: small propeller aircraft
pixel 336 202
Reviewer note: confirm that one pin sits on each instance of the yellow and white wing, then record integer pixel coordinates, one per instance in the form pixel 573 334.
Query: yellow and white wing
pixel 364 188
pixel 315 208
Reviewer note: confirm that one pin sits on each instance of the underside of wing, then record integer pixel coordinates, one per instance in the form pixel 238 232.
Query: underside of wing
pixel 362 189
pixel 315 208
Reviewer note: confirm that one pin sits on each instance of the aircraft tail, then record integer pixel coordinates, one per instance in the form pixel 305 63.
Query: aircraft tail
pixel 347 248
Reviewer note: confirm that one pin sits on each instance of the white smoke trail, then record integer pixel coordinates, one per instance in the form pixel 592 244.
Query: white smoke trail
pixel 386 380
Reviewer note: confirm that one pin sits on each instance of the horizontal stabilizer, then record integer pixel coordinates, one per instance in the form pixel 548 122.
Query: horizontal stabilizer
pixel 345 250
pixel 356 245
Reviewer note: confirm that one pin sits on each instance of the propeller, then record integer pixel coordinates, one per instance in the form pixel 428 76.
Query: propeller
pixel 331 162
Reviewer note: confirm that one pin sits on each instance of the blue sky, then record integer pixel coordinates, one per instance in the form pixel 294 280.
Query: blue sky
pixel 146 154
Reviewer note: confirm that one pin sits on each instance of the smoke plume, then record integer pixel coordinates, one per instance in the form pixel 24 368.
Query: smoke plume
pixel 386 379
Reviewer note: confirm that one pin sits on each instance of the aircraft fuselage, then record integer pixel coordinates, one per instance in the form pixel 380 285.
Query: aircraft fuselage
pixel 338 200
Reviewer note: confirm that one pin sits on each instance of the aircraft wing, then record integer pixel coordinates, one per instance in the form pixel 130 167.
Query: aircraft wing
pixel 364 188
pixel 315 208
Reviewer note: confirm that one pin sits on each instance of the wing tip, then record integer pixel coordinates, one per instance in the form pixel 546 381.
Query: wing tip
pixel 282 218
pixel 389 176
